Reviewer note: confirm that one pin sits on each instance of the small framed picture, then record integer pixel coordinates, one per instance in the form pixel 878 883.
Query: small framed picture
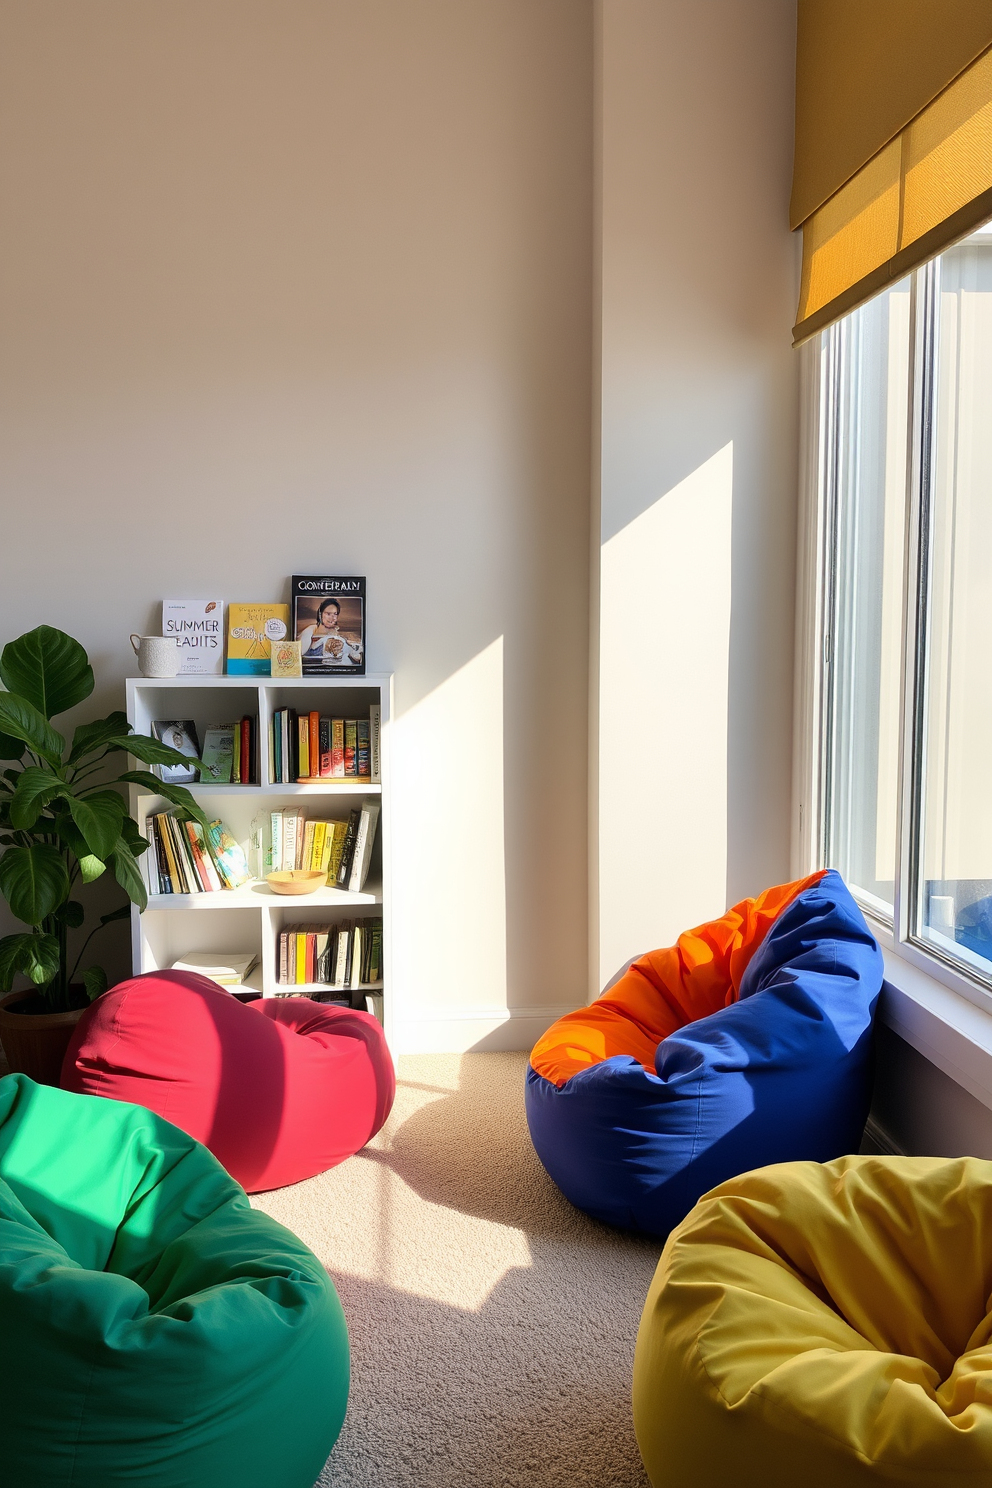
pixel 329 623
pixel 178 733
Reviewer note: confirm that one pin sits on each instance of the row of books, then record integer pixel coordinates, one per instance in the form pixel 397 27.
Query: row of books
pixel 347 954
pixel 307 748
pixel 183 859
pixel 341 849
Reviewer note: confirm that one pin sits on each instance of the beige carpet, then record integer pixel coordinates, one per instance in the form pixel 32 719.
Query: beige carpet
pixel 492 1326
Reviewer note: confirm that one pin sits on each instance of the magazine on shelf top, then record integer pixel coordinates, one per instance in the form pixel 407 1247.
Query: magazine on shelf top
pixel 329 623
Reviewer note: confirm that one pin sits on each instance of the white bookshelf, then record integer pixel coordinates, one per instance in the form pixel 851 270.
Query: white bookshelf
pixel 253 916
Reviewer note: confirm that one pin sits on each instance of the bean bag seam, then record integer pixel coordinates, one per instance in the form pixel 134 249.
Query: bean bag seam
pixel 84 1402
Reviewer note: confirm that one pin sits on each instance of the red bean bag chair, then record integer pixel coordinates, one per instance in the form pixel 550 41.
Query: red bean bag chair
pixel 278 1089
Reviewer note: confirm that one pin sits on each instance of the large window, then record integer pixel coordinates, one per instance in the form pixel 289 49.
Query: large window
pixel 903 644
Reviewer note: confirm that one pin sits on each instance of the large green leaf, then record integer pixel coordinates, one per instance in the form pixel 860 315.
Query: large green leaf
pixel 133 838
pixel 98 817
pixel 71 914
pixel 128 874
pixel 99 734
pixel 11 748
pixel 95 981
pixel 90 866
pixel 151 751
pixel 20 717
pixel 34 881
pixel 47 667
pixel 37 956
pixel 177 794
pixel 35 788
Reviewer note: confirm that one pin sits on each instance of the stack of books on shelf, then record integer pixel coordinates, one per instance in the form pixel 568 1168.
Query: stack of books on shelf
pixel 341 849
pixel 307 748
pixel 226 968
pixel 345 956
pixel 183 859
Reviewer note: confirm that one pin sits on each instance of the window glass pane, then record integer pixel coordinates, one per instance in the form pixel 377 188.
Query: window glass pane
pixel 954 892
pixel 868 358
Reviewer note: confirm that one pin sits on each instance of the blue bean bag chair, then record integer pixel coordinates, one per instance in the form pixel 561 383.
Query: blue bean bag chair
pixel 746 1043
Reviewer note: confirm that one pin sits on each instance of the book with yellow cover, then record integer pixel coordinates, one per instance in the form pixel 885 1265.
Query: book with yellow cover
pixel 251 630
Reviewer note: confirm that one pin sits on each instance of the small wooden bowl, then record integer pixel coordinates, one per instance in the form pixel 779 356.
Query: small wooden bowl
pixel 295 881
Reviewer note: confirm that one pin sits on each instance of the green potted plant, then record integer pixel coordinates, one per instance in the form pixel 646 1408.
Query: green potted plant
pixel 62 826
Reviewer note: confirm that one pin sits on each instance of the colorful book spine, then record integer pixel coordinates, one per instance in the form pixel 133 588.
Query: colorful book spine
pixel 325 748
pixel 375 742
pixel 337 748
pixel 313 742
pixel 306 851
pixel 245 759
pixel 362 750
pixel 350 746
pixel 199 868
pixel 348 850
pixel 284 747
pixel 338 840
pixel 303 740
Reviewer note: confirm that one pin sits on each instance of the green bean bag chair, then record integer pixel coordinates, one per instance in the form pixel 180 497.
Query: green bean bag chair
pixel 155 1328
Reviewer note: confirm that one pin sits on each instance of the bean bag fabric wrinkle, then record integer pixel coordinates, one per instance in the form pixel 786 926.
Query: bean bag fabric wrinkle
pixel 278 1089
pixel 747 1042
pixel 824 1324
pixel 164 1332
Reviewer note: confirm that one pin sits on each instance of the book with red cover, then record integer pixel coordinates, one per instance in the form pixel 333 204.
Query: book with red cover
pixel 314 741
pixel 245 751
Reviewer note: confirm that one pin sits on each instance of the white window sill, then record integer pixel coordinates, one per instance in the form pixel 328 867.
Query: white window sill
pixel 941 1024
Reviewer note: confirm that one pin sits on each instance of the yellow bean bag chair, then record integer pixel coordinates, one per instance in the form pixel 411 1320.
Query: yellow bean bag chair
pixel 823 1326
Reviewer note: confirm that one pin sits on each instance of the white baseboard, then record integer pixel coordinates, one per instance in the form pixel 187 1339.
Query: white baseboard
pixel 479 1029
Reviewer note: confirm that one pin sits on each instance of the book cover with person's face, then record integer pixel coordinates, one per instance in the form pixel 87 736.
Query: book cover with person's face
pixel 329 623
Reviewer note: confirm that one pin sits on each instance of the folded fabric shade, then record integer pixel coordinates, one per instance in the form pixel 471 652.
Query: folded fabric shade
pixel 747 1042
pixel 824 1326
pixel 278 1089
pixel 156 1329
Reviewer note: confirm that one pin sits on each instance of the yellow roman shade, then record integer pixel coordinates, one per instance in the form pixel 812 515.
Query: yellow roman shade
pixel 915 191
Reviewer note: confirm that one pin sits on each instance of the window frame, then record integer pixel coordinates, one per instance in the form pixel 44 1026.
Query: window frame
pixel 820 433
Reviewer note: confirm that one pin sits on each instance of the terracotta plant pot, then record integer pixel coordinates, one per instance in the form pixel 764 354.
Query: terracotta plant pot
pixel 35 1043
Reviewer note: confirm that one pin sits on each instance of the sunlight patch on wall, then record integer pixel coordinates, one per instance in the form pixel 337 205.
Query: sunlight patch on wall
pixel 664 676
pixel 449 892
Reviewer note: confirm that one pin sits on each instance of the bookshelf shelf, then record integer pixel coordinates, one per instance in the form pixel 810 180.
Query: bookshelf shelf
pixel 252 917
pixel 332 788
pixel 260 896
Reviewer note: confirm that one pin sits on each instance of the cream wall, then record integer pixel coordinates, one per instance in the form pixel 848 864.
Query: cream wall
pixel 307 285
pixel 697 466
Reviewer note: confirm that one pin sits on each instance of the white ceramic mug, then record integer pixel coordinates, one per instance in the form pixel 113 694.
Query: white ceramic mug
pixel 158 656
